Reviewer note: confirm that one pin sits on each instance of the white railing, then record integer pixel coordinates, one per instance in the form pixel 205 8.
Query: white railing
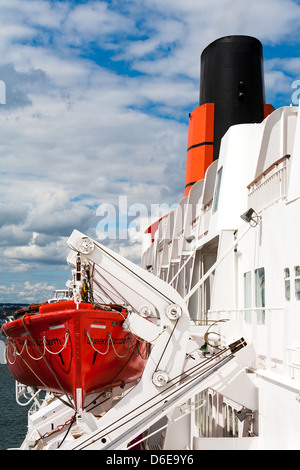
pixel 268 332
pixel 269 187
pixel 293 361
pixel 205 217
pixel 26 395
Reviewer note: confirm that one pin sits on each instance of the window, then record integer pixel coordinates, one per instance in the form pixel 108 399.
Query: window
pixel 287 284
pixel 297 282
pixel 260 294
pixel 236 424
pixel 201 412
pixel 247 296
pixel 230 421
pixel 225 419
pixel 217 190
pixel 210 416
pixel 204 415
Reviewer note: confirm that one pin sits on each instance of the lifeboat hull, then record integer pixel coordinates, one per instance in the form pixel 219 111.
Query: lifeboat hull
pixel 72 351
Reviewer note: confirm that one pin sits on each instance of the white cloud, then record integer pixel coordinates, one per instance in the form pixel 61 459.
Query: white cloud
pixel 191 26
pixel 26 292
pixel 54 253
pixel 96 20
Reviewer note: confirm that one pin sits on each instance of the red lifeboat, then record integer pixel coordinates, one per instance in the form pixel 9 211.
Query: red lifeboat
pixel 76 352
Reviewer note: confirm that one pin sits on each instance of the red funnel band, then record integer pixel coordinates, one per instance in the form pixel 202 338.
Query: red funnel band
pixel 200 144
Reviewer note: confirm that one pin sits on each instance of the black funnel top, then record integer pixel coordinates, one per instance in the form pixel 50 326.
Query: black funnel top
pixel 232 78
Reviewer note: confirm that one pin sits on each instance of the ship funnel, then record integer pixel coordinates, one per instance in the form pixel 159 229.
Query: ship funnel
pixel 231 92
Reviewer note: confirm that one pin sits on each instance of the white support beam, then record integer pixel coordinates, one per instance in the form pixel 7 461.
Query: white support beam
pixel 142 291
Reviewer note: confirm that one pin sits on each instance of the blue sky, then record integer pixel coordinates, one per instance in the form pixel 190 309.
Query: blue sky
pixel 97 101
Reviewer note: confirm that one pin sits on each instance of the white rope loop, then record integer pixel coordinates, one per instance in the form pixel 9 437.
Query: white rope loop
pixel 25 346
pixel 91 343
pixel 14 354
pixel 110 340
pixel 112 343
pixel 32 357
pixel 57 352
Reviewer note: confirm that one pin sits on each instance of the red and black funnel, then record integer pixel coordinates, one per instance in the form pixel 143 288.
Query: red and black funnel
pixel 231 92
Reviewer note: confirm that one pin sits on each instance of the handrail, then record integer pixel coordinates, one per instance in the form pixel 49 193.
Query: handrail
pixel 219 260
pixel 248 309
pixel 268 170
pixel 180 269
pixel 256 331
pixel 23 393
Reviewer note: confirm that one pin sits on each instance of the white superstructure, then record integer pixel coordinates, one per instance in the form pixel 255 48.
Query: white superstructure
pixel 256 282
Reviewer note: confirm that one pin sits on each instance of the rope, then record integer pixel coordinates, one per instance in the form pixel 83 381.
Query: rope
pixel 32 357
pixel 91 343
pixel 70 423
pixel 138 349
pixel 46 362
pixel 15 352
pixel 110 340
pixel 108 387
pixel 207 333
pixel 25 346
pixel 112 343
pixel 57 352
pixel 59 428
pixel 33 372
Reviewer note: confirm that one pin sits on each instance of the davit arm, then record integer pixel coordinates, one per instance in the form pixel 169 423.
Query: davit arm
pixel 158 314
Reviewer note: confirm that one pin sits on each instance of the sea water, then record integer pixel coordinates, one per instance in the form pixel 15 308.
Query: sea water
pixel 13 417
